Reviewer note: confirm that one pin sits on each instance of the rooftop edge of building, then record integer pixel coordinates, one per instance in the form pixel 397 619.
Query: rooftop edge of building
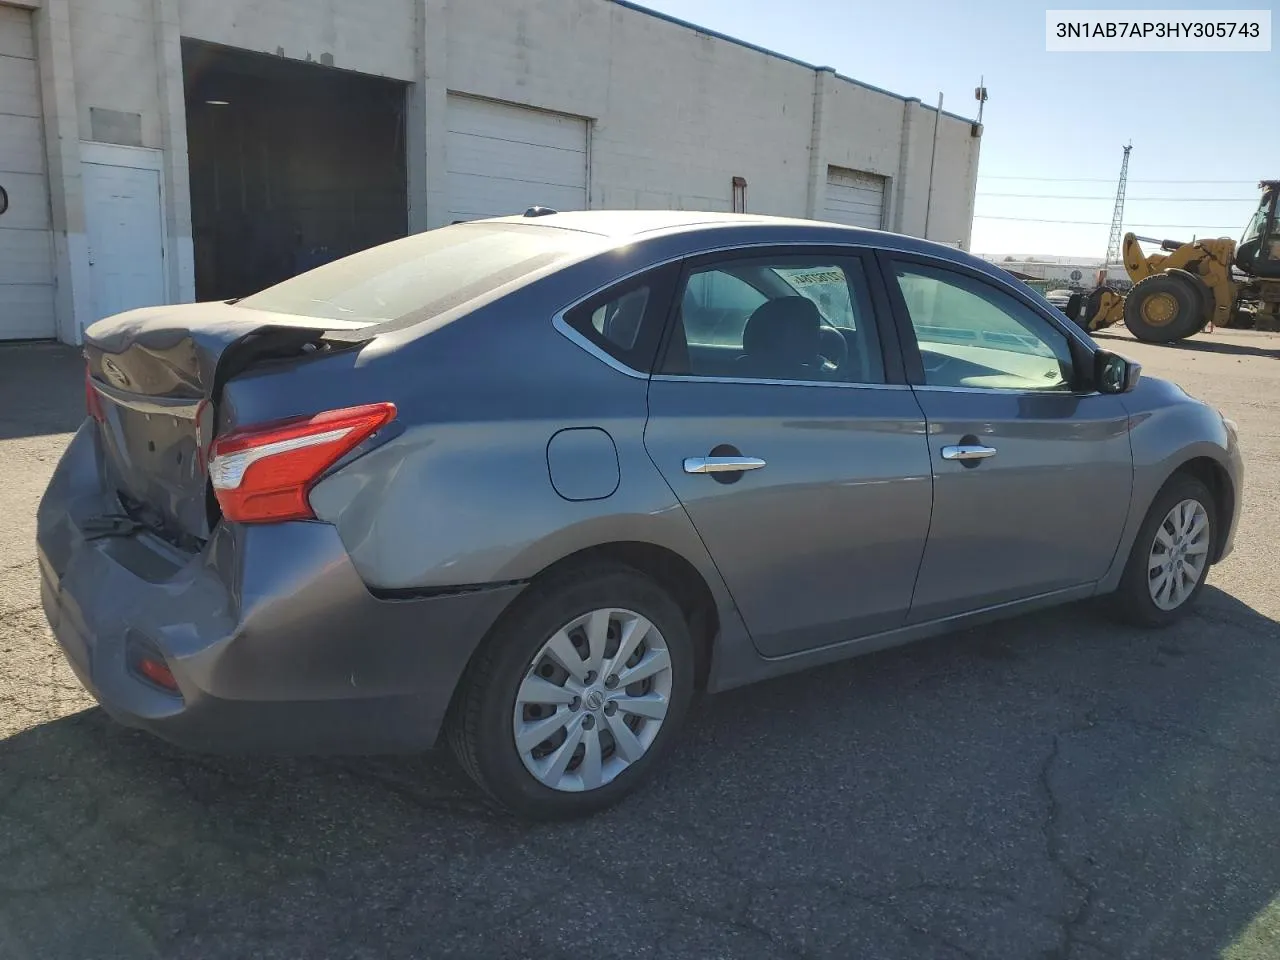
pixel 658 14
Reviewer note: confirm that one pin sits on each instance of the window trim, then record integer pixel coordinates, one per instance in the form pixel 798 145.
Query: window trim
pixel 1082 353
pixel 640 360
pixel 881 317
pixel 571 334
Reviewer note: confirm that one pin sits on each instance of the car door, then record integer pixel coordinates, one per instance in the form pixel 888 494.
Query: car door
pixel 1032 467
pixel 808 480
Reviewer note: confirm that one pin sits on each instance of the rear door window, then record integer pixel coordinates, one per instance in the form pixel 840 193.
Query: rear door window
pixel 787 318
pixel 715 307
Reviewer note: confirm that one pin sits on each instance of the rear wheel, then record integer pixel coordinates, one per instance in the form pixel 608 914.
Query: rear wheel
pixel 1169 561
pixel 577 695
pixel 1163 308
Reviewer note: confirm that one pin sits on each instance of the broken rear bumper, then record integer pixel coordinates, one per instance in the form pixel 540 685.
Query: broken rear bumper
pixel 275 643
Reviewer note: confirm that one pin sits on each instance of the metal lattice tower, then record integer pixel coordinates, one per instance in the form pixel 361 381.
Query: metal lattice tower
pixel 1117 215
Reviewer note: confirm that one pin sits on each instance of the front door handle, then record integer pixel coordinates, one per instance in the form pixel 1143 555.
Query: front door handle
pixel 721 464
pixel 968 451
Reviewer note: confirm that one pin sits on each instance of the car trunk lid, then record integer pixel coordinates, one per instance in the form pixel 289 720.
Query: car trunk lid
pixel 158 374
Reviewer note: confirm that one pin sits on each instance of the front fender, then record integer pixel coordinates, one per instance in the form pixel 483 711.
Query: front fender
pixel 1168 431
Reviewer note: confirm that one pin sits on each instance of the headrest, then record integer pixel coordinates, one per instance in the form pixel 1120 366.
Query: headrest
pixel 788 329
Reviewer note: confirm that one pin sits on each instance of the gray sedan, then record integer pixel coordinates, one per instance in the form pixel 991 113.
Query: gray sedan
pixel 526 484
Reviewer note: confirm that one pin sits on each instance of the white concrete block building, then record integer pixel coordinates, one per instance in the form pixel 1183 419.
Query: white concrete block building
pixel 167 150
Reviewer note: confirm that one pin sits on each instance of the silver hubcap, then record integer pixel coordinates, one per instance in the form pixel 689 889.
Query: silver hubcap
pixel 593 700
pixel 1178 555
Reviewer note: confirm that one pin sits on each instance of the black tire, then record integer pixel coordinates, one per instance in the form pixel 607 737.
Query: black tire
pixel 1164 308
pixel 479 727
pixel 1133 601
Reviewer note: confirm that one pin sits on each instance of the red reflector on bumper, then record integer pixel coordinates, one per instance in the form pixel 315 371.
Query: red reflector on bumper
pixel 157 673
pixel 92 402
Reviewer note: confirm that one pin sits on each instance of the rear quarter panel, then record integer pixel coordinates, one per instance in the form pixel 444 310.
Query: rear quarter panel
pixel 462 496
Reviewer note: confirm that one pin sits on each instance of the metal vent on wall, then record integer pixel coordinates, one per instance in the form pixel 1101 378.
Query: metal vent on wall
pixel 115 126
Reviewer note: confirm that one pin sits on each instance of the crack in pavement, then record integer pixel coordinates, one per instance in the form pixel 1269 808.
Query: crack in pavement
pixel 734 921
pixel 879 897
pixel 14 611
pixel 882 900
pixel 931 934
pixel 1055 850
pixel 1198 737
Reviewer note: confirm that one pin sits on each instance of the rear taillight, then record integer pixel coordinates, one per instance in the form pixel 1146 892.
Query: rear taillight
pixel 262 474
pixel 92 402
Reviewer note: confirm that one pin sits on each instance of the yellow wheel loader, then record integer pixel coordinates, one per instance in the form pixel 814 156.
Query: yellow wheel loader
pixel 1193 286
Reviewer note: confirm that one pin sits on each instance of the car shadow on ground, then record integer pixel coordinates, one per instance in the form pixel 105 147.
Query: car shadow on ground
pixel 1046 787
pixel 41 389
pixel 1204 344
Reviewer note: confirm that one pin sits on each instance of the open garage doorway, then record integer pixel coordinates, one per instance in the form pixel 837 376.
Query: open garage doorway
pixel 292 165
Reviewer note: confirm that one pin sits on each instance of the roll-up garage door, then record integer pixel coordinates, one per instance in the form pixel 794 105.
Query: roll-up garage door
pixel 854 198
pixel 503 159
pixel 26 241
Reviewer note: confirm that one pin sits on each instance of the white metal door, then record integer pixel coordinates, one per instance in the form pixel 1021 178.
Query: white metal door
pixel 854 198
pixel 126 237
pixel 26 239
pixel 502 159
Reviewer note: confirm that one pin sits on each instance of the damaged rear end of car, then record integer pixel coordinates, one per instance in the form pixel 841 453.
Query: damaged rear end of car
pixel 191 588
pixel 183 571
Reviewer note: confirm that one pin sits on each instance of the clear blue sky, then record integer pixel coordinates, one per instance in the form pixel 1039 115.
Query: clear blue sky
pixel 1203 116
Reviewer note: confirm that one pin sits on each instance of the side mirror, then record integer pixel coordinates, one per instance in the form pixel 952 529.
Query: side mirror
pixel 1113 373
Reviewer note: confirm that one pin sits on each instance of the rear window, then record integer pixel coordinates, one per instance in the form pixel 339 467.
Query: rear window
pixel 424 275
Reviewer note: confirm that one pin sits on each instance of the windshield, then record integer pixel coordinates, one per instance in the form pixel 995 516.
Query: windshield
pixel 424 275
pixel 1254 229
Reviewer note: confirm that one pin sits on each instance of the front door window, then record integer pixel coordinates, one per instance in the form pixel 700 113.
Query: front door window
pixel 972 334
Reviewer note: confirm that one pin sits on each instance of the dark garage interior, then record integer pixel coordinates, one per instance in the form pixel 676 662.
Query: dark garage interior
pixel 292 164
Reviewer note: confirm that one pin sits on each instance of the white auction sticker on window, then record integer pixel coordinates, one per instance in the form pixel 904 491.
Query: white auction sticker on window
pixel 1158 31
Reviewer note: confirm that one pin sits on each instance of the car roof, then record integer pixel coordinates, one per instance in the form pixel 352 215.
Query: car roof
pixel 624 223
pixel 619 226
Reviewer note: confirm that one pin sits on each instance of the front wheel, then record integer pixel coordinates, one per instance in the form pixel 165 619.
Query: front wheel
pixel 577 695
pixel 1169 561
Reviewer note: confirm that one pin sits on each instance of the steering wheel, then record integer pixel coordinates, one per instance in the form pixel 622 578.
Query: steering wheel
pixel 834 349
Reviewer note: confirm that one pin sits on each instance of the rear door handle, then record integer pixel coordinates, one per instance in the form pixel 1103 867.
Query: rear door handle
pixel 721 464
pixel 968 451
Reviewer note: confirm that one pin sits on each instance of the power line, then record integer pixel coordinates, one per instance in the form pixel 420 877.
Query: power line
pixel 1067 196
pixel 1104 223
pixel 990 176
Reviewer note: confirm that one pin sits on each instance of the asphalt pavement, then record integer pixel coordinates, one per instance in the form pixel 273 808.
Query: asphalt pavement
pixel 1050 787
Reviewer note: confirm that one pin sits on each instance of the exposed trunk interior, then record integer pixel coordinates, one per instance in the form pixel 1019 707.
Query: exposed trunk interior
pixel 292 165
